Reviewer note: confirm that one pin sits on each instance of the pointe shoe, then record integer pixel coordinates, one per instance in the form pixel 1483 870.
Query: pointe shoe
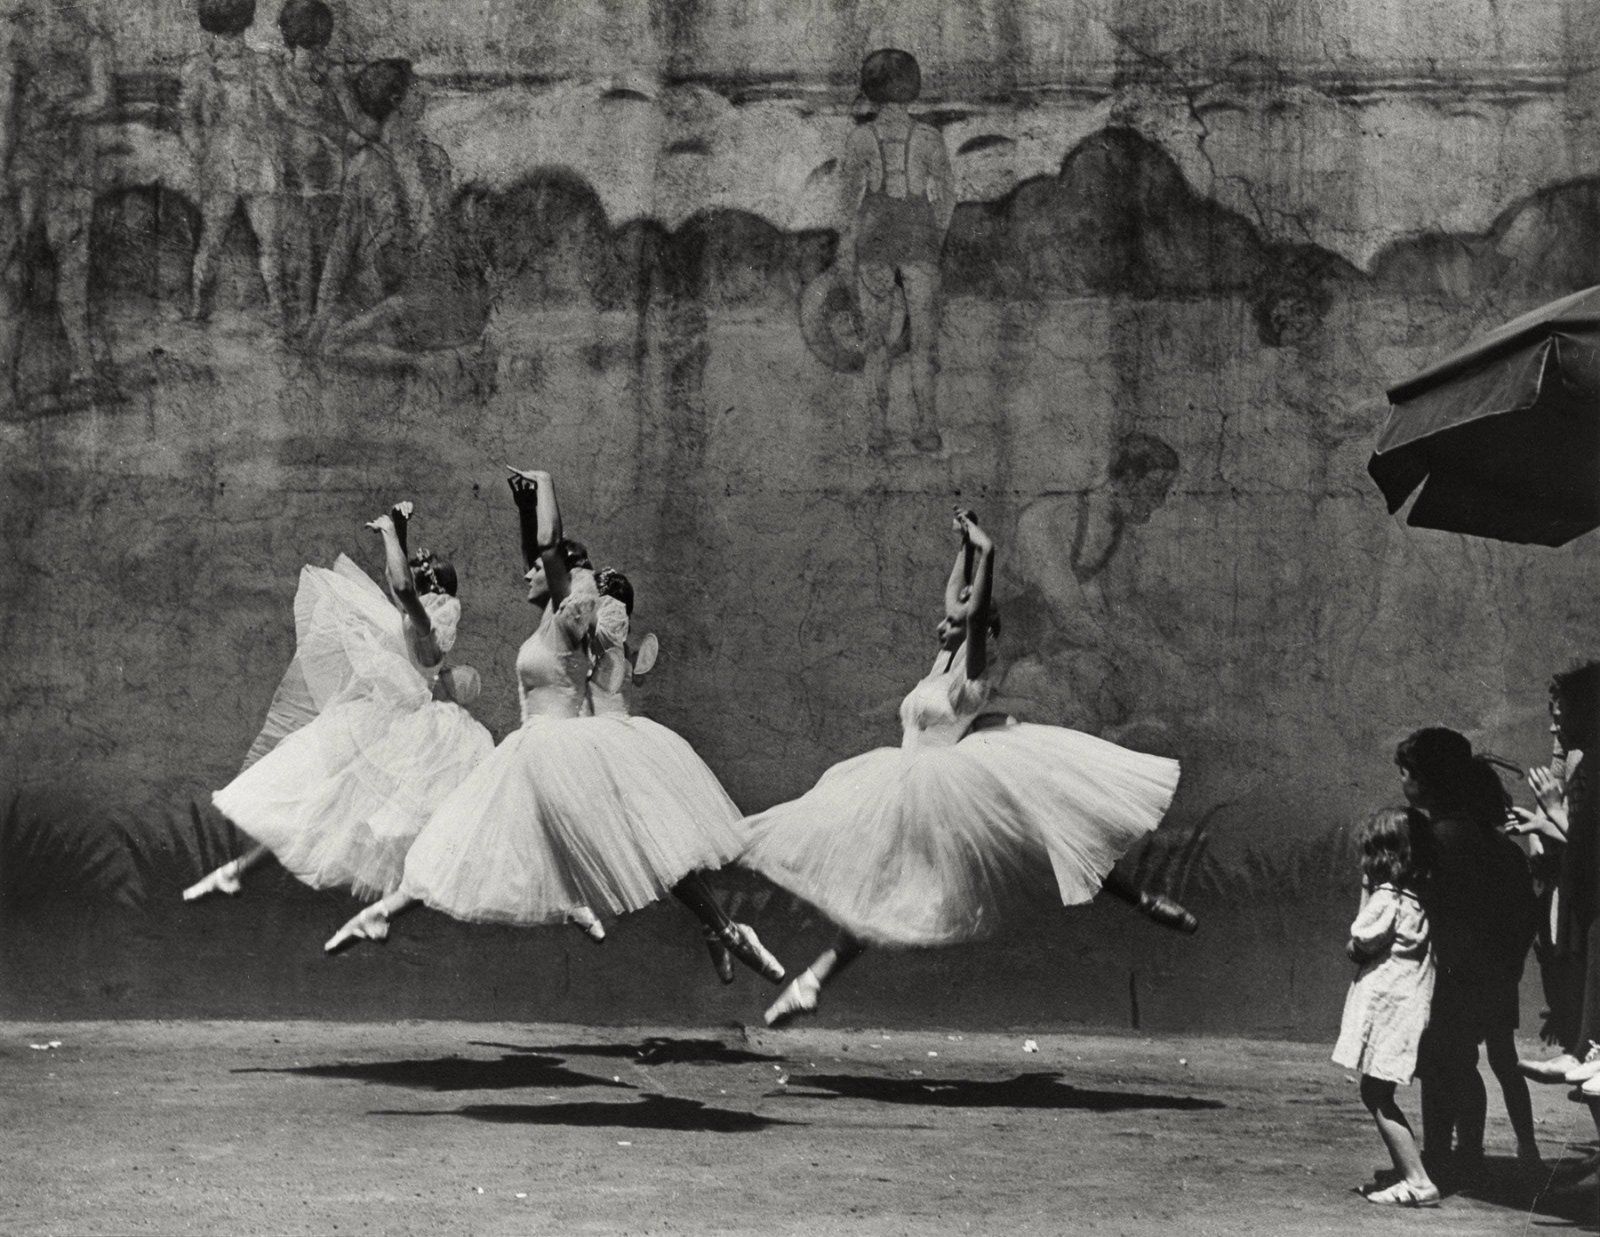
pixel 1554 1069
pixel 1158 908
pixel 586 920
pixel 370 925
pixel 721 955
pixel 224 880
pixel 1587 1068
pixel 798 999
pixel 741 941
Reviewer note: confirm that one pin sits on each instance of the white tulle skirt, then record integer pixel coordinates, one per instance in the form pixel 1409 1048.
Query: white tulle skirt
pixel 600 812
pixel 340 800
pixel 931 845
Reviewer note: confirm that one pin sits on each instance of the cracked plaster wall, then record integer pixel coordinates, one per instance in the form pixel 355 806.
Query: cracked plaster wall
pixel 1225 228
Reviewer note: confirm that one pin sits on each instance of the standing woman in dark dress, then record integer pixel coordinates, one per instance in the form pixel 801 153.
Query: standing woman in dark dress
pixel 1483 913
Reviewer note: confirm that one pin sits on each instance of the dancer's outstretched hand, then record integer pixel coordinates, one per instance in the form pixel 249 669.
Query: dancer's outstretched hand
pixel 383 524
pixel 525 484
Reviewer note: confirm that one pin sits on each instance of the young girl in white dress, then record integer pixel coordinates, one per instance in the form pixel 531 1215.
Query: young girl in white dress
pixel 1387 1006
pixel 956 831
pixel 574 814
pixel 365 735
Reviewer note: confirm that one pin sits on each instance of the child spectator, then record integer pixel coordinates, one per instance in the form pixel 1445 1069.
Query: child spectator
pixel 1387 1006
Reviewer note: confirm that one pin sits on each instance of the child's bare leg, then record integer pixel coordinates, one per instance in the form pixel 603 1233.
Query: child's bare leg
pixel 921 284
pixel 803 992
pixel 371 924
pixel 216 212
pixel 1395 1130
pixel 266 220
pixel 1502 1052
pixel 226 878
pixel 875 293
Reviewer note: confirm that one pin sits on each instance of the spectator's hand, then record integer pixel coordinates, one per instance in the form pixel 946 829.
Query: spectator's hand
pixel 1548 790
pixel 1520 820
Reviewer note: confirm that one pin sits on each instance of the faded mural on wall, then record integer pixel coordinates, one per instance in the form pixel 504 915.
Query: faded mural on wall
pixel 767 291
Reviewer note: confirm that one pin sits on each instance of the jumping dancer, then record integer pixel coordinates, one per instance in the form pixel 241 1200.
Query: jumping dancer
pixel 944 838
pixel 571 813
pixel 364 736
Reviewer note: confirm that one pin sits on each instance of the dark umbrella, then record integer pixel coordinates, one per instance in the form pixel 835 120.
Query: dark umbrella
pixel 1505 432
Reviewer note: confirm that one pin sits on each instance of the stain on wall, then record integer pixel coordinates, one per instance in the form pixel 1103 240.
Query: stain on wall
pixel 1185 259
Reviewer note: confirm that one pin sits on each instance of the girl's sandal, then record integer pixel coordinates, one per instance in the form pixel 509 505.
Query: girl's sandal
pixel 1404 1194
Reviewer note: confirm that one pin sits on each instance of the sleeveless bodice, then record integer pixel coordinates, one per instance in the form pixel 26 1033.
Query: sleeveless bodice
pixel 553 663
pixel 942 707
pixel 550 682
pixel 444 613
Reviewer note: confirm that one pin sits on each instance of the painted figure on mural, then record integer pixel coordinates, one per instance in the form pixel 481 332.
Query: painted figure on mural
pixel 897 197
pixel 1065 544
pixel 235 139
pixel 56 87
pixel 322 124
pixel 400 272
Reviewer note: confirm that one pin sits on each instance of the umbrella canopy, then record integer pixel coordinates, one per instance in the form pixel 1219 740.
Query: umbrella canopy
pixel 1504 435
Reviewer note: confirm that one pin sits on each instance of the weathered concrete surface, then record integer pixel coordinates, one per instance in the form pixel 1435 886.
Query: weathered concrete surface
pixel 184 1127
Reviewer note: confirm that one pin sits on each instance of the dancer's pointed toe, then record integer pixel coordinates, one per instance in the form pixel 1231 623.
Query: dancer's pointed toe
pixel 745 945
pixel 370 925
pixel 224 880
pixel 795 1001
pixel 1160 909
pixel 586 920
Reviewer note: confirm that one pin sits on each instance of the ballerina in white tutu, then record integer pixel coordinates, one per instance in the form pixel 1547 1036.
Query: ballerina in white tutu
pixel 946 837
pixel 575 813
pixel 366 733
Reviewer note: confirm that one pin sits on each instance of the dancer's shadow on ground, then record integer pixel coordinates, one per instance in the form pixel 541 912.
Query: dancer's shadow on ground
pixel 654 1050
pixel 1042 1090
pixel 649 1112
pixel 1542 1197
pixel 454 1073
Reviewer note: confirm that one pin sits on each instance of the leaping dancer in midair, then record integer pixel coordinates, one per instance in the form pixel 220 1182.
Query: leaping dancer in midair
pixel 365 735
pixel 948 836
pixel 573 814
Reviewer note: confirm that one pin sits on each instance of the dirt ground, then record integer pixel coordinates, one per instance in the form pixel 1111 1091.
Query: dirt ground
pixel 428 1127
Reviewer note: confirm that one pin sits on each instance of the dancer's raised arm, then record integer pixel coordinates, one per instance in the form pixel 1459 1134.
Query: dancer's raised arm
pixel 403 585
pixel 973 602
pixel 540 516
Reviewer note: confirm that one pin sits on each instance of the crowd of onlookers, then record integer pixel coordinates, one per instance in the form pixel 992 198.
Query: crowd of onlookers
pixel 1451 904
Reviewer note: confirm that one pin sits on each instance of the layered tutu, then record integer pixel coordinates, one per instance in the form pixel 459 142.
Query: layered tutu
pixel 600 812
pixel 933 844
pixel 355 754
